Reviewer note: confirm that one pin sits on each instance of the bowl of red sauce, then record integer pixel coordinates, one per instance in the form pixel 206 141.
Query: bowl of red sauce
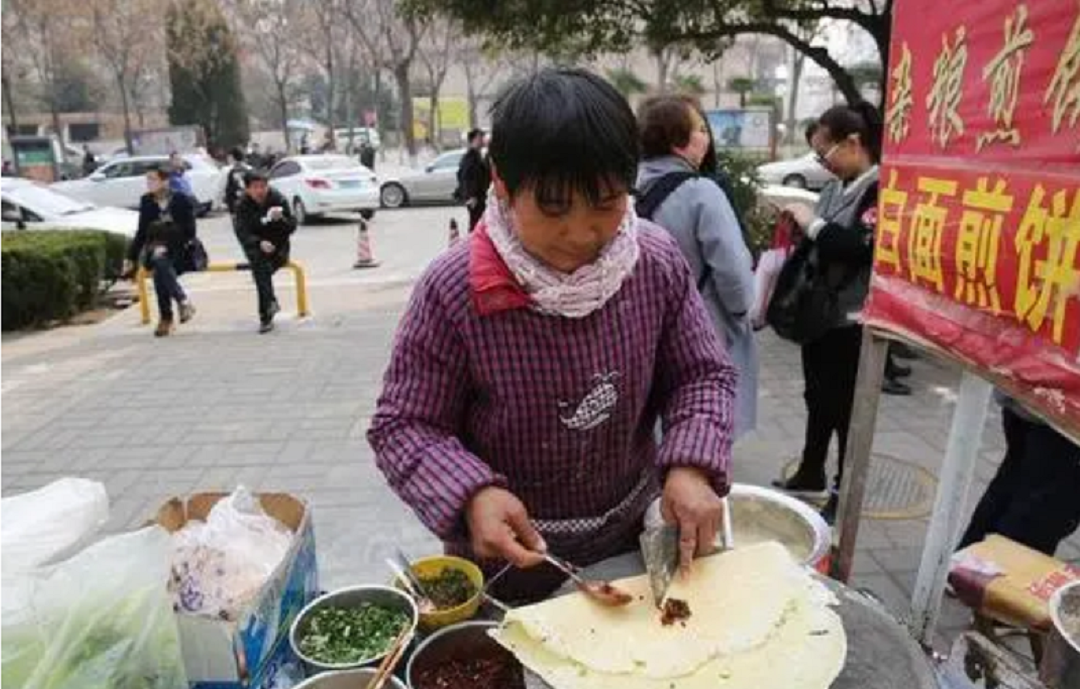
pixel 463 656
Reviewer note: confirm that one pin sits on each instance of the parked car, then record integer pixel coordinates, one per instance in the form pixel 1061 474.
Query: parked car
pixel 435 184
pixel 804 172
pixel 325 183
pixel 30 205
pixel 122 182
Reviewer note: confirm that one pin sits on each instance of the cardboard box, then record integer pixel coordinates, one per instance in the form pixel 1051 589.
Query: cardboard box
pixel 250 651
pixel 1009 582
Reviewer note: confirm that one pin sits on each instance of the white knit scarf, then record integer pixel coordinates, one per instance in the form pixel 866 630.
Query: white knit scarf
pixel 573 295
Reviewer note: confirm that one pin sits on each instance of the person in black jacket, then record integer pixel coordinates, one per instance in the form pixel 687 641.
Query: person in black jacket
pixel 264 223
pixel 234 186
pixel 474 178
pixel 164 243
pixel 847 142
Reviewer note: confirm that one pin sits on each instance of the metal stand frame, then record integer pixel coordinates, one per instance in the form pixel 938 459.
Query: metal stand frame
pixel 957 471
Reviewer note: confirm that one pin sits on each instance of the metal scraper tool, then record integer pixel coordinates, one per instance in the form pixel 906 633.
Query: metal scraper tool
pixel 660 549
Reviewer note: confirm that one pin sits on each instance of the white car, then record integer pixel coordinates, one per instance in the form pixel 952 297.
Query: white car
pixel 122 182
pixel 435 184
pixel 330 183
pixel 29 205
pixel 804 172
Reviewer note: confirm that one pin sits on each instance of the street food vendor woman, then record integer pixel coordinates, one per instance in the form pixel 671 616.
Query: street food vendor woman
pixel 519 408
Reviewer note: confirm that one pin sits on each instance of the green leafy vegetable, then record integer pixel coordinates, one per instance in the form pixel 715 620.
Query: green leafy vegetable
pixel 338 635
pixel 449 588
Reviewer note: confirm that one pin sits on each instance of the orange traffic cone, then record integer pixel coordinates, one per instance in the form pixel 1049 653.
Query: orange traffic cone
pixel 455 234
pixel 364 256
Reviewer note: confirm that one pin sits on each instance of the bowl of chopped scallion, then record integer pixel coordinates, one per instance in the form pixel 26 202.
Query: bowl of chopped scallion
pixel 452 586
pixel 351 627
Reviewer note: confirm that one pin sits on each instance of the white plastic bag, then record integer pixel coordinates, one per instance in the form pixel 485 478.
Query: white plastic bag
pixel 218 566
pixel 100 620
pixel 768 270
pixel 50 523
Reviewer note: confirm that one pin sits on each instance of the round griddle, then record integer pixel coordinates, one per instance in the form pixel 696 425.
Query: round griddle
pixel 880 653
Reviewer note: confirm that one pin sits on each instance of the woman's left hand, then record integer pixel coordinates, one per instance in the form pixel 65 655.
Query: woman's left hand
pixel 801 213
pixel 690 501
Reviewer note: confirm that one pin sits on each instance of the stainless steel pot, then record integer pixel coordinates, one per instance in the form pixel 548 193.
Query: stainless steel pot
pixel 351 597
pixel 1060 668
pixel 462 640
pixel 347 679
pixel 762 514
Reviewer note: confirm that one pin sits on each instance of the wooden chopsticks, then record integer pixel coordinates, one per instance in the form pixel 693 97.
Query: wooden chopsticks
pixel 393 657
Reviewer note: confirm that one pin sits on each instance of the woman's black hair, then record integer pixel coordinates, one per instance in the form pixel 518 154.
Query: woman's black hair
pixel 860 118
pixel 252 176
pixel 562 130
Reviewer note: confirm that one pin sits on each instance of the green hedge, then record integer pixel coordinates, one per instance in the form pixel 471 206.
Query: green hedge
pixel 47 275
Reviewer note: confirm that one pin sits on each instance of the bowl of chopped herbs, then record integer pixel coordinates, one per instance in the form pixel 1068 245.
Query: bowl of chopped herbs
pixel 452 587
pixel 351 627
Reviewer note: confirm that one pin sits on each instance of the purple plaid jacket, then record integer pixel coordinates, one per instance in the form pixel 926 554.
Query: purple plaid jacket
pixel 560 411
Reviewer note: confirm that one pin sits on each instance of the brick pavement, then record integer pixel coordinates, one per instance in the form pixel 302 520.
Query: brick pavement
pixel 218 405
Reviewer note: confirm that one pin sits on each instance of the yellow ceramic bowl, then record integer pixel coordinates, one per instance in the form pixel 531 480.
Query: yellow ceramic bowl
pixel 433 566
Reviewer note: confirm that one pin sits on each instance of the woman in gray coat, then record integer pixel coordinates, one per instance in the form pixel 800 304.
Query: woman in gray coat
pixel 674 194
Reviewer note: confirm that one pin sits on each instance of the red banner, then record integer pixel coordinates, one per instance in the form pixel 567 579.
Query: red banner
pixel 978 245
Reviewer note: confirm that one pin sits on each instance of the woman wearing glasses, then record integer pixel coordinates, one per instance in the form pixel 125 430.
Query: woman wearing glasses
pixel 847 141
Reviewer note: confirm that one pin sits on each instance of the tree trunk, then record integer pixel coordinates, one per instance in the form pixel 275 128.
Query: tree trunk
pixel 793 95
pixel 401 76
pixel 717 82
pixel 882 36
pixel 58 127
pixel 9 103
pixel 127 114
pixel 330 88
pixel 433 118
pixel 283 114
pixel 348 96
pixel 470 94
pixel 379 126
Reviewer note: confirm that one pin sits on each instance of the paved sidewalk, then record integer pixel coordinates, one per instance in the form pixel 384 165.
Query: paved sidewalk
pixel 219 405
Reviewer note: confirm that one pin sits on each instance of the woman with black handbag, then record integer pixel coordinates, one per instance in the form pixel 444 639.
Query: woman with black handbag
pixel 833 265
pixel 166 244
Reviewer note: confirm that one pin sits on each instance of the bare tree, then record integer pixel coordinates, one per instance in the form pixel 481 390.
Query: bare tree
pixel 147 77
pixel 8 45
pixel 46 31
pixel 481 64
pixel 126 34
pixel 325 29
pixel 391 35
pixel 436 55
pixel 271 30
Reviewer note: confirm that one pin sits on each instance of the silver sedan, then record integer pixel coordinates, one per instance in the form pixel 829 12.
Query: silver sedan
pixel 434 184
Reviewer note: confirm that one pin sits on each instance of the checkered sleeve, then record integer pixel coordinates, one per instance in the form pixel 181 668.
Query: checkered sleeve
pixel 696 382
pixel 420 414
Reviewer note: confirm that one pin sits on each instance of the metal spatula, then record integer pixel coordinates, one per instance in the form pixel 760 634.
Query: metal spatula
pixel 660 549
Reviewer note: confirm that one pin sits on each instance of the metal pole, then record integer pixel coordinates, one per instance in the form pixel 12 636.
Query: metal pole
pixel 957 471
pixel 860 445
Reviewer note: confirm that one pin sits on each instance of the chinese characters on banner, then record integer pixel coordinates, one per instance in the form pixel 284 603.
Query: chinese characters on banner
pixel 978 244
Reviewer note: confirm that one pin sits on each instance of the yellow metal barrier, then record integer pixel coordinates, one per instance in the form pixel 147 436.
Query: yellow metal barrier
pixel 297 270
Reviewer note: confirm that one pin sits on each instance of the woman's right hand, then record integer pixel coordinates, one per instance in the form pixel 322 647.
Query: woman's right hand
pixel 500 528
